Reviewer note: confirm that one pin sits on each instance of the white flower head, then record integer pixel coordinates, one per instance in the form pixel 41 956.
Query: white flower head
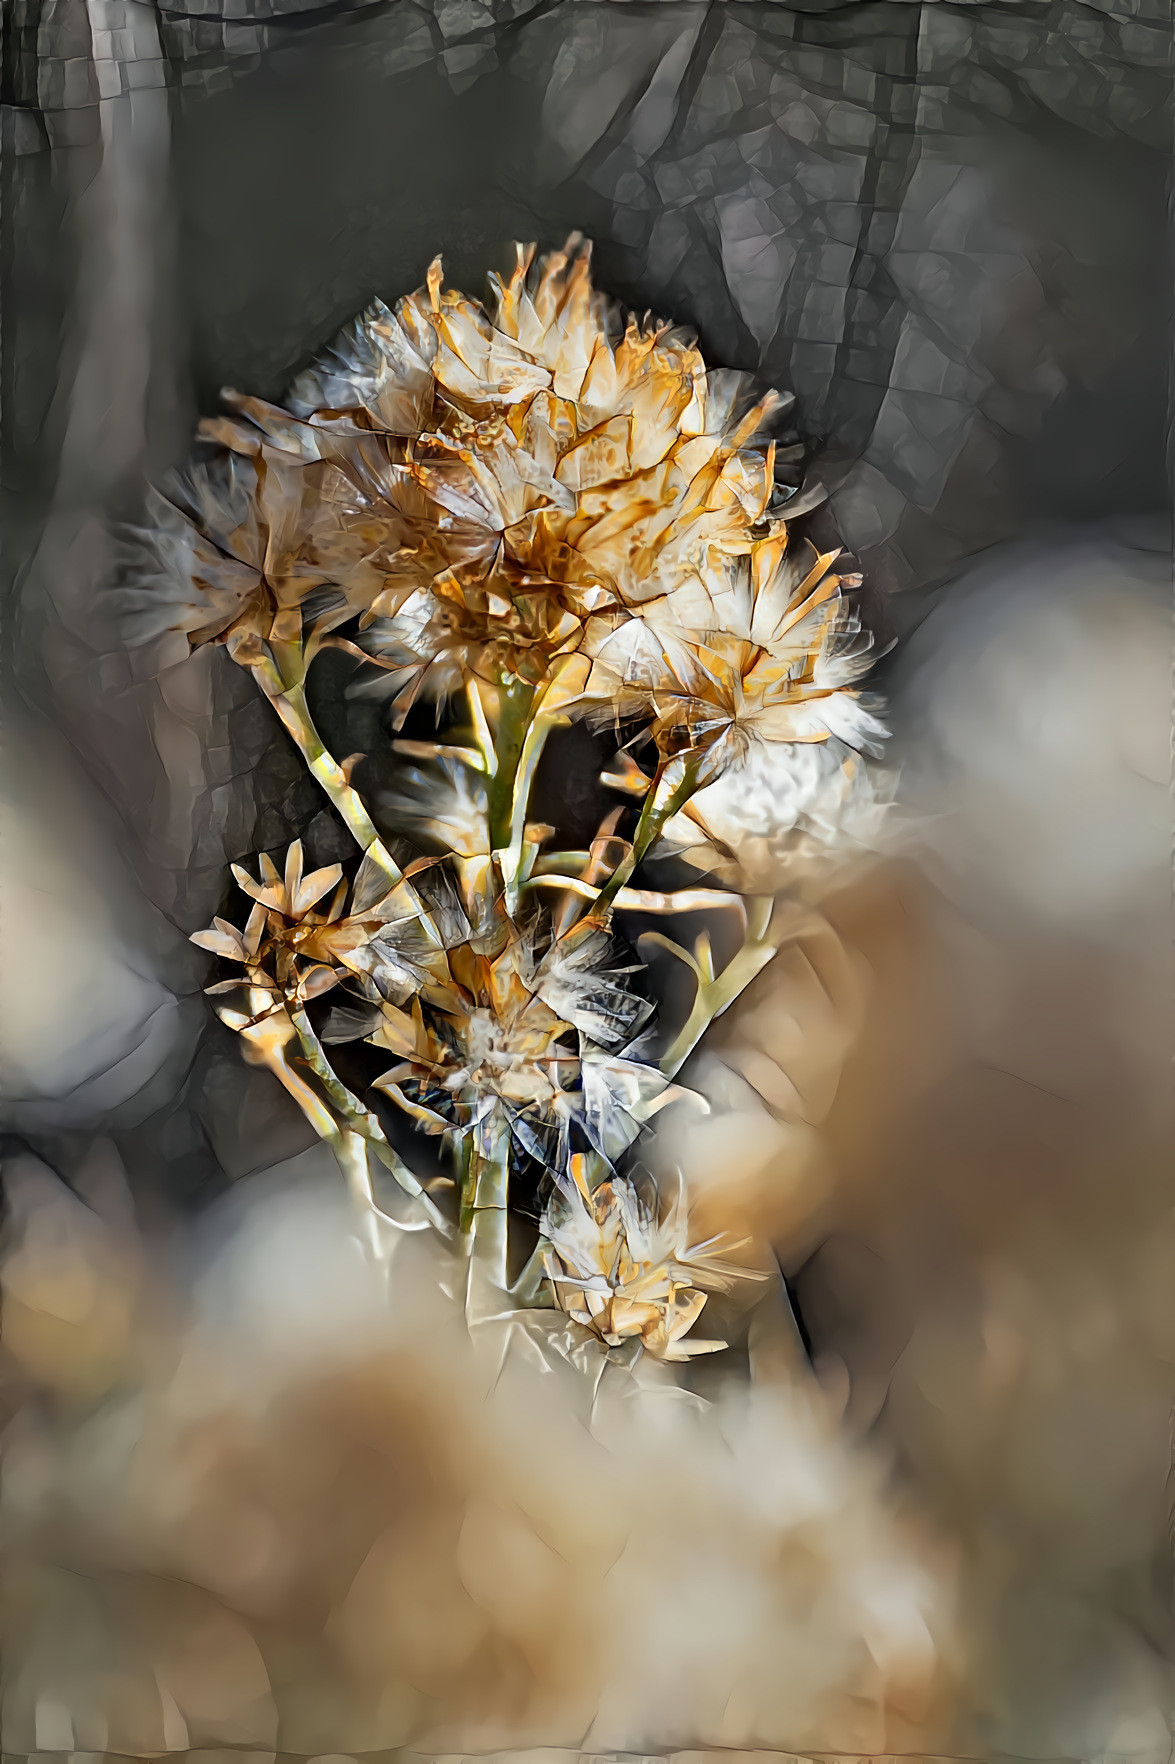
pixel 622 1269
pixel 766 654
pixel 780 805
pixel 444 802
pixel 533 1042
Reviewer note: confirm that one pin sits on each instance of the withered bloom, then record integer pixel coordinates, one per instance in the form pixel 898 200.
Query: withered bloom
pixel 568 474
pixel 230 557
pixel 296 947
pixel 753 683
pixel 444 801
pixel 555 511
pixel 511 1038
pixel 480 486
pixel 620 1271
pixel 768 656
pixel 367 939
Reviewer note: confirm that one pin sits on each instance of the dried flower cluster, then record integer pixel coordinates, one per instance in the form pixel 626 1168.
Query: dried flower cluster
pixel 521 514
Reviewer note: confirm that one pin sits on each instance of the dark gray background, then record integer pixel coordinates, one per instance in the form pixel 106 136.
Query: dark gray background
pixel 946 228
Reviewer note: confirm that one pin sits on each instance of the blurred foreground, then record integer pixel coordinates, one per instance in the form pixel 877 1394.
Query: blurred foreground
pixel 258 1498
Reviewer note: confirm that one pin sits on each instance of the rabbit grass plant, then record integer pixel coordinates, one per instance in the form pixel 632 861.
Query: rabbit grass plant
pixel 525 515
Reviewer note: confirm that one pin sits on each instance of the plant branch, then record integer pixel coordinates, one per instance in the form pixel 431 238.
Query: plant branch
pixel 290 705
pixel 515 702
pixel 289 701
pixel 352 1118
pixel 716 993
pixel 672 789
pixel 645 900
pixel 543 719
pixel 485 1193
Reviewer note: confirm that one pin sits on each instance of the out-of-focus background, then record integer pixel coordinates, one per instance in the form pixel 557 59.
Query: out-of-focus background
pixel 945 227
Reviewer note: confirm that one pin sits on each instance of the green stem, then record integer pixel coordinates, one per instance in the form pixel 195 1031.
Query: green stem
pixel 350 1151
pixel 516 865
pixel 344 1100
pixel 715 996
pixel 662 802
pixel 289 701
pixel 353 1119
pixel 516 701
pixel 485 1192
pixel 294 712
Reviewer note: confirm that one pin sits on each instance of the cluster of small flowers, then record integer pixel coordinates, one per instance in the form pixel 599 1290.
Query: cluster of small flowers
pixel 540 513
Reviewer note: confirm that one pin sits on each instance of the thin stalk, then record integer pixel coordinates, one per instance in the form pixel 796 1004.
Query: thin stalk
pixel 290 704
pixel 645 900
pixel 294 712
pixel 712 998
pixel 515 703
pixel 662 802
pixel 350 1151
pixel 514 869
pixel 353 1119
pixel 484 1222
pixel 311 1105
pixel 348 1144
pixel 344 1100
pixel 561 863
